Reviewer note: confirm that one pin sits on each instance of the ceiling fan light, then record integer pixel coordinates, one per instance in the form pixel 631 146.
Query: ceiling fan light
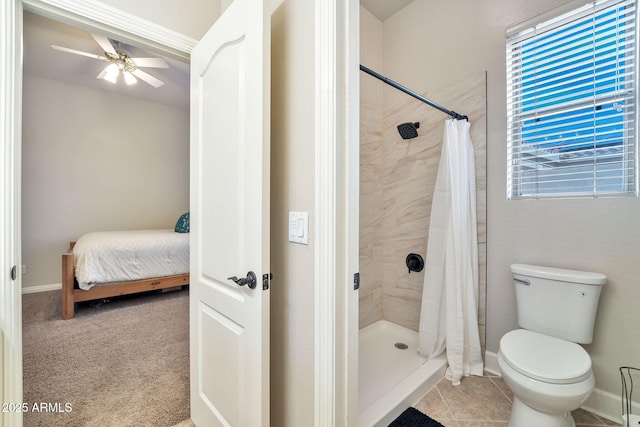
pixel 112 72
pixel 129 79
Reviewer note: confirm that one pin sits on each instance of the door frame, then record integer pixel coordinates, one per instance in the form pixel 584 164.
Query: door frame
pixel 10 249
pixel 337 197
pixel 336 141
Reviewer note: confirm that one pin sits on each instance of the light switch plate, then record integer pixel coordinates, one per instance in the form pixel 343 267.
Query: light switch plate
pixel 299 227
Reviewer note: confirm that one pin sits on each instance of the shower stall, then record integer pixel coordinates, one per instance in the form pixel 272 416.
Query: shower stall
pixel 400 143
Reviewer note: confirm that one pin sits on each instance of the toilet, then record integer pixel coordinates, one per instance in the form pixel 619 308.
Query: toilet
pixel 543 364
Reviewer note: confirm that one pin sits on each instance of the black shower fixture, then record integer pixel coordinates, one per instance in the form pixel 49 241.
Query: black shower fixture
pixel 414 262
pixel 398 86
pixel 408 130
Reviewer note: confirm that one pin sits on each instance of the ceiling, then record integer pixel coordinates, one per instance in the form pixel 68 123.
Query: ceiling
pixel 41 60
pixel 382 9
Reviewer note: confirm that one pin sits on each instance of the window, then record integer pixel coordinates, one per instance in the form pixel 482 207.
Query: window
pixel 571 104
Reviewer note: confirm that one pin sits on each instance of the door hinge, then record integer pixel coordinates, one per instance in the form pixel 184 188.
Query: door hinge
pixel 266 278
pixel 356 281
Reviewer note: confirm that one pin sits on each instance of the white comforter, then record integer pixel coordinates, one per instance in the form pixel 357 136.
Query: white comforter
pixel 117 256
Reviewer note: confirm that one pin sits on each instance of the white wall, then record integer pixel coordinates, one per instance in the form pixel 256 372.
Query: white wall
pixel 95 161
pixel 431 43
pixel 188 17
pixel 292 189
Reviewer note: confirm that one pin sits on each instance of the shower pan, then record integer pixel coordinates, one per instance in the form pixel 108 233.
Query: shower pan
pixel 392 376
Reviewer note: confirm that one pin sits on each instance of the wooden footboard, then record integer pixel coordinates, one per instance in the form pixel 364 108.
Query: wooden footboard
pixel 68 277
pixel 70 295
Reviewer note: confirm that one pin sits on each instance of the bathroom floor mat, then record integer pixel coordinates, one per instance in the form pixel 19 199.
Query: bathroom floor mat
pixel 411 417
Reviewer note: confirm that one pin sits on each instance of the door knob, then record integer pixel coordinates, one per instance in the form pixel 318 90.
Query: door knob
pixel 251 280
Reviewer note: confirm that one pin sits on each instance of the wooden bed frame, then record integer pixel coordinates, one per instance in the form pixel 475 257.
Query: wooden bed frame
pixel 72 295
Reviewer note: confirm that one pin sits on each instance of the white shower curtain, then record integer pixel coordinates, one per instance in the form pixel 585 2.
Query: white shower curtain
pixel 449 315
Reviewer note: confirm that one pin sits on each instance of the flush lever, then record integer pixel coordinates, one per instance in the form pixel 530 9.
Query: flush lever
pixel 251 280
pixel 523 281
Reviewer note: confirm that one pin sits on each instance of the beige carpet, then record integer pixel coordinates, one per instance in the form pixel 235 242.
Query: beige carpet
pixel 122 363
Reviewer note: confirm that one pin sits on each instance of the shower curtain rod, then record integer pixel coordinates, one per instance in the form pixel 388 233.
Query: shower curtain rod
pixel 398 86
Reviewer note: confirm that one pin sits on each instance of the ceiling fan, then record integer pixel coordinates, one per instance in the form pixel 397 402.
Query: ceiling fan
pixel 121 62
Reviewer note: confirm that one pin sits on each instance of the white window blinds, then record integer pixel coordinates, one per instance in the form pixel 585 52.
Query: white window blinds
pixel 571 104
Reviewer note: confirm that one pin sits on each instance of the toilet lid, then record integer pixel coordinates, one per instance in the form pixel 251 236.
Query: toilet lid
pixel 545 358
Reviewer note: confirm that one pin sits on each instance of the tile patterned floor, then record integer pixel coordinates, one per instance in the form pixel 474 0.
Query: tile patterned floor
pixel 482 402
pixel 476 402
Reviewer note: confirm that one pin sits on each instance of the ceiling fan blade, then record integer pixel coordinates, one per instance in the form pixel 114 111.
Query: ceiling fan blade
pixel 104 43
pixel 147 78
pixel 150 62
pixel 78 52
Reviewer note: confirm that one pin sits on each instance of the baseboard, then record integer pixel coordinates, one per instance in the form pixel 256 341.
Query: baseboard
pixel 602 403
pixel 608 405
pixel 491 363
pixel 41 288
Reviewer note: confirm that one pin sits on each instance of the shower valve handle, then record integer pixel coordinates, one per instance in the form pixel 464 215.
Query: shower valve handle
pixel 250 280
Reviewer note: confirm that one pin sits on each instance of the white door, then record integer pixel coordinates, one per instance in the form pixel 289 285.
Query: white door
pixel 230 79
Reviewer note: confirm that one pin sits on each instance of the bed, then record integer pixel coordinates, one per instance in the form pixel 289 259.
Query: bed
pixel 113 263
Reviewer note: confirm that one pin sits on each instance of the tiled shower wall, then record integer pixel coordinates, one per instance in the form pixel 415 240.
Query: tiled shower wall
pixel 397 178
pixel 371 209
pixel 371 170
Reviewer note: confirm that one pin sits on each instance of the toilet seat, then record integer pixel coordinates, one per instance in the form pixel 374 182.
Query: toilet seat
pixel 545 358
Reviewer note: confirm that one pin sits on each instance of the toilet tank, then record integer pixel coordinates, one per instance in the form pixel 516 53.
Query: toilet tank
pixel 557 302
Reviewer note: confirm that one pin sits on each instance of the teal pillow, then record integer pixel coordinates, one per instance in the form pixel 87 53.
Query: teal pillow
pixel 182 226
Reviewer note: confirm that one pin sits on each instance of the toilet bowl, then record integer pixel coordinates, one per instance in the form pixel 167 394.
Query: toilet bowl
pixel 548 371
pixel 549 378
